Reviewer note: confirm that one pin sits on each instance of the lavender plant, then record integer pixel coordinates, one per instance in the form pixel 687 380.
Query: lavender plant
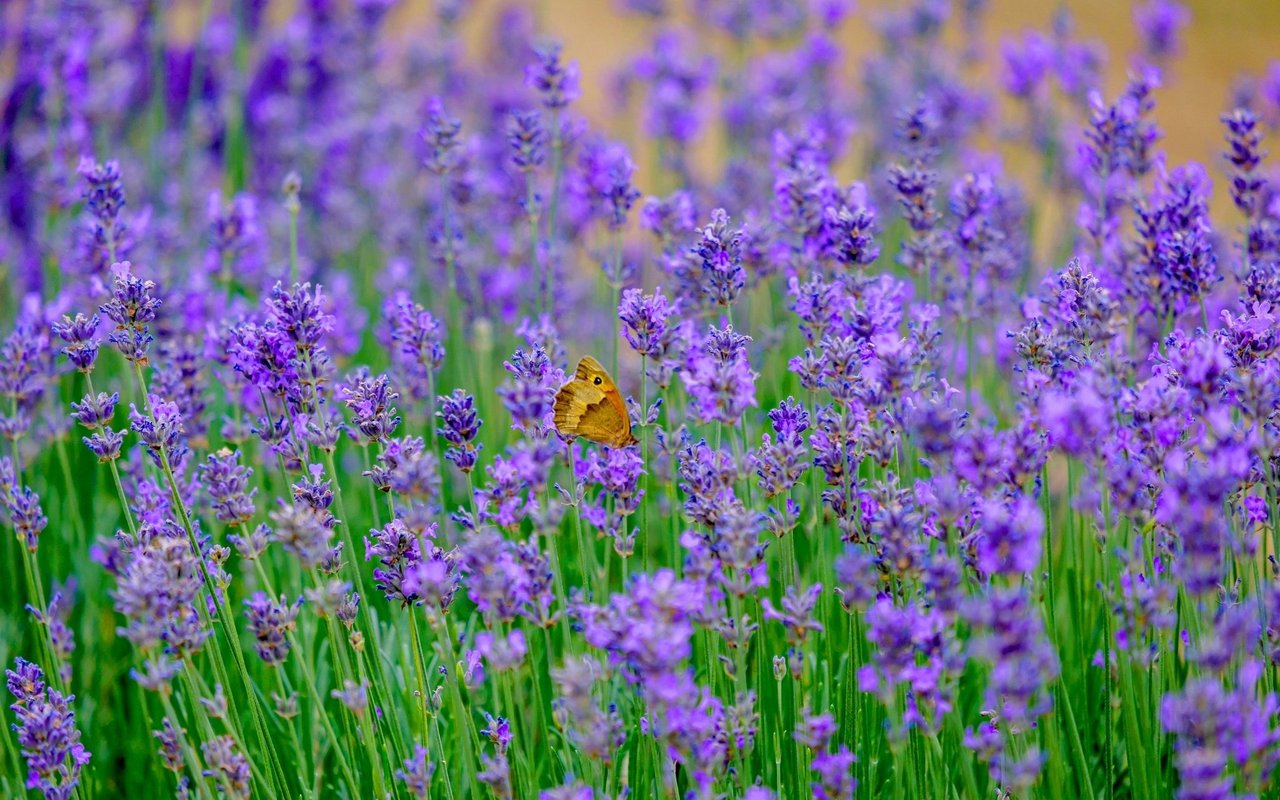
pixel 956 478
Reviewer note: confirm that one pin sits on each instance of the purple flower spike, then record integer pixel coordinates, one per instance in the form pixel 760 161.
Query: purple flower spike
pixel 554 81
pixel 459 427
pixel 132 307
pixel 1010 540
pixel 712 273
pixel 105 201
pixel 227 482
pixel 416 344
pixel 26 517
pixel 526 140
pixel 25 366
pixel 47 733
pixel 94 412
pixel 645 319
pixel 270 622
pixel 1160 24
pixel 369 400
pixel 228 768
pixel 417 773
pixel 719 377
pixel 81 336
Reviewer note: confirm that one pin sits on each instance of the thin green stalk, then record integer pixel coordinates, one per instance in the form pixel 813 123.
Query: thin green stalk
pixel 224 615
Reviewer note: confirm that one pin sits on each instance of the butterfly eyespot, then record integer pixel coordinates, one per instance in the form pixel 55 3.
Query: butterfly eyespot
pixel 598 381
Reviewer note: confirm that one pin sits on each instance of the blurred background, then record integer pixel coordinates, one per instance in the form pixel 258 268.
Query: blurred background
pixel 1224 44
pixel 1225 49
pixel 1217 54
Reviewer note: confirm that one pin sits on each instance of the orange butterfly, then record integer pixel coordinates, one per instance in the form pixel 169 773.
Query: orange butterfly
pixel 591 407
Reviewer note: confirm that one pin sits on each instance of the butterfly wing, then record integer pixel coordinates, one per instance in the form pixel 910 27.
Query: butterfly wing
pixel 604 424
pixel 591 406
pixel 572 402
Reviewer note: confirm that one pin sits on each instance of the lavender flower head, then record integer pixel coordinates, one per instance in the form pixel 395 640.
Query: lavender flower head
pixel 80 334
pixel 440 136
pixel 555 82
pixel 25 366
pixel 105 202
pixel 459 426
pixel 1160 24
pixel 227 482
pixel 26 516
pixel 370 402
pixel 416 345
pixel 271 622
pixel 712 272
pixel 47 733
pixel 526 140
pixel 718 376
pixel 227 767
pixel 417 772
pixel 645 322
pixel 132 307
pixel 530 393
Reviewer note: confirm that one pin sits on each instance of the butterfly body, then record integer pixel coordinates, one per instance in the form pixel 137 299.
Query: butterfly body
pixel 590 406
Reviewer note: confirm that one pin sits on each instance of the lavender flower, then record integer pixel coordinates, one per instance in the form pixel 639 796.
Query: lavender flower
pixel 271 622
pixel 105 202
pixel 597 733
pixel 1244 154
pixel 502 652
pixel 233 227
pixel 157 590
pixel 617 472
pixel 555 82
pixel 1160 23
pixel 607 171
pixel 26 516
pixel 170 746
pixel 56 619
pixel 459 427
pixel 80 334
pixel 526 140
pixel 47 733
pixel 1010 540
pixel 304 532
pixel 718 376
pixel 781 464
pixel 132 307
pixel 160 431
pixel 850 230
pixel 399 550
pixel 1219 729
pixel 369 400
pixel 495 773
pixel 440 136
pixel 228 768
pixel 105 444
pixel 712 271
pixel 355 696
pixel 645 319
pixel 668 218
pixel 530 393
pixel 1179 254
pixel 416 345
pixel 417 773
pixel 24 372
pixel 227 481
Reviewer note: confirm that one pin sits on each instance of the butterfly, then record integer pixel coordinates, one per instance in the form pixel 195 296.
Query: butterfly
pixel 591 407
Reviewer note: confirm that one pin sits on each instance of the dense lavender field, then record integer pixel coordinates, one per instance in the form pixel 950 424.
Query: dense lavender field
pixel 953 479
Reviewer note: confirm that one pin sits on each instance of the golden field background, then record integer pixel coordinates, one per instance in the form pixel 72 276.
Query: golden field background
pixel 1226 39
